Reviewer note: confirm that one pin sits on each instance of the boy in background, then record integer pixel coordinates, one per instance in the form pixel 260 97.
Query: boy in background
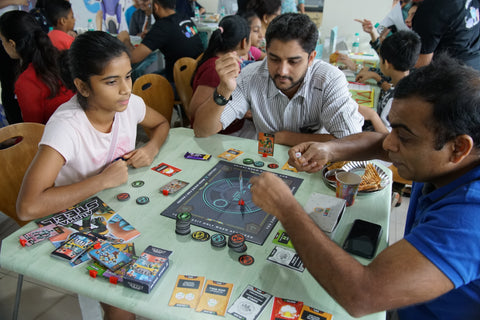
pixel 60 15
pixel 398 55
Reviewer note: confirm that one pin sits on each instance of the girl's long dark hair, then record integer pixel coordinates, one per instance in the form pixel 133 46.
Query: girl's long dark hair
pixel 33 46
pixel 232 30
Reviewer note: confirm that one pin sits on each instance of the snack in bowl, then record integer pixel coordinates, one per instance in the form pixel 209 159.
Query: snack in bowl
pixel 371 180
pixel 336 165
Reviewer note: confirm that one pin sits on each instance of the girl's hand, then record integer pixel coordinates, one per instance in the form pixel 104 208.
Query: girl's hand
pixel 141 157
pixel 115 174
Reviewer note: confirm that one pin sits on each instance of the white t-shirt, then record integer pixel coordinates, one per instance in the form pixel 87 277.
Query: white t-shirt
pixel 84 148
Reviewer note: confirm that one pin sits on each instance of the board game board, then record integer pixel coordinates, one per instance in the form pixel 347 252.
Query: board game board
pixel 213 202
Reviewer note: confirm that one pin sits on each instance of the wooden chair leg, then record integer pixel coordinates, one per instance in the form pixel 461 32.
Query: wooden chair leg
pixel 17 297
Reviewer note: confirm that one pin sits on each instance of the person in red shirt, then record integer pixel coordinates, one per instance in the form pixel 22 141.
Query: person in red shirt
pixel 60 14
pixel 39 88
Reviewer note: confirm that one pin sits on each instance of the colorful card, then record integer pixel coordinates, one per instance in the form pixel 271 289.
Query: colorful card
pixel 250 303
pixel 266 142
pixel 286 309
pixel 166 169
pixel 230 154
pixel 314 314
pixel 173 186
pixel 288 167
pixel 74 247
pixel 187 291
pixel 215 297
pixel 197 156
pixel 40 234
pixel 110 257
pixel 286 258
pixel 283 239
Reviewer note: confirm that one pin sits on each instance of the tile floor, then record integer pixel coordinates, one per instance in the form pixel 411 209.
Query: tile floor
pixel 44 302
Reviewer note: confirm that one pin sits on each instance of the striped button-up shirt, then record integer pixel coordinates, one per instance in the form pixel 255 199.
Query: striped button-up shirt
pixel 322 104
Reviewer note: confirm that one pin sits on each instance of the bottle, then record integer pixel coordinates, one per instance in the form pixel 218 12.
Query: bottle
pixel 319 46
pixel 222 12
pixel 356 43
pixel 197 14
pixel 90 26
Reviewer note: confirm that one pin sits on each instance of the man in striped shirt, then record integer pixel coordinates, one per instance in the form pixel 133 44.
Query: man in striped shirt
pixel 289 94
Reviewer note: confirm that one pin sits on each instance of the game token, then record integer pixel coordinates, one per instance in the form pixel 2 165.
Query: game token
pixel 273 166
pixel 93 273
pixel 201 235
pixel 236 239
pixel 137 184
pixel 248 161
pixel 165 192
pixel 143 200
pixel 218 240
pixel 258 163
pixel 241 249
pixel 184 216
pixel 246 260
pixel 123 196
pixel 113 280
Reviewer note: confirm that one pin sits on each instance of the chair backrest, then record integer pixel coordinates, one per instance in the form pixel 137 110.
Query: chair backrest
pixel 183 70
pixel 14 162
pixel 157 93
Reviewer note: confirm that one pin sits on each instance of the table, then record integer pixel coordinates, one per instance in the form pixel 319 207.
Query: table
pixel 189 256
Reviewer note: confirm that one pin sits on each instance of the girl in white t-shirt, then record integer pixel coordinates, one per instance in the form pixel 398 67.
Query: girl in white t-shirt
pixel 84 137
pixel 76 155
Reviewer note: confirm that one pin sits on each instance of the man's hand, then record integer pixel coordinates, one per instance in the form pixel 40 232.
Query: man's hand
pixel 345 59
pixel 368 27
pixel 123 36
pixel 271 194
pixel 365 74
pixel 228 69
pixel 314 155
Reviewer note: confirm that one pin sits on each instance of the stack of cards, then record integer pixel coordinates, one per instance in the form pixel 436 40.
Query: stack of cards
pixel 230 154
pixel 187 291
pixel 286 258
pixel 250 303
pixel 110 257
pixel 40 234
pixel 74 247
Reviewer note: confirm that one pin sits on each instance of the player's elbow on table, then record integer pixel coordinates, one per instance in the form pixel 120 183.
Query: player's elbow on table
pixel 201 132
pixel 27 211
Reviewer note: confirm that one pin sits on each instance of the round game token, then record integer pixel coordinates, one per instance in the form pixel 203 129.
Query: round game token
pixel 201 235
pixel 143 200
pixel 248 161
pixel 246 260
pixel 218 240
pixel 273 166
pixel 184 216
pixel 236 239
pixel 258 163
pixel 123 196
pixel 137 184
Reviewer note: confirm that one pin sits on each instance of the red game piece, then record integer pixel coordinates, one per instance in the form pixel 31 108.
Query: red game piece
pixel 264 155
pixel 23 242
pixel 241 202
pixel 93 273
pixel 97 246
pixel 165 192
pixel 113 280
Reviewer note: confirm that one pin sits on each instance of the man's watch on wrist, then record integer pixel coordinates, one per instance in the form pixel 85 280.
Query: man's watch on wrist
pixel 219 99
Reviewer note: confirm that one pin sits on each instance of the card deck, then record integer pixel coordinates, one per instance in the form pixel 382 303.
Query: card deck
pixel 283 239
pixel 314 314
pixel 286 258
pixel 166 169
pixel 40 234
pixel 186 293
pixel 286 309
pixel 250 303
pixel 230 154
pixel 173 186
pixel 74 247
pixel 215 297
pixel 110 257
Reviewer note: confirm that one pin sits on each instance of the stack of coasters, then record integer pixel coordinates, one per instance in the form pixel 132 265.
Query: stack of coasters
pixel 218 240
pixel 182 226
pixel 149 267
pixel 236 242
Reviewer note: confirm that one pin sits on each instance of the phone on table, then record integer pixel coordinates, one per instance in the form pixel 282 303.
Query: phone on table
pixel 363 239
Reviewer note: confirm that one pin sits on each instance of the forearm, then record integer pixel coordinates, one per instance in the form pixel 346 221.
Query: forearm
pixel 291 139
pixel 54 199
pixel 207 116
pixel 360 146
pixel 158 136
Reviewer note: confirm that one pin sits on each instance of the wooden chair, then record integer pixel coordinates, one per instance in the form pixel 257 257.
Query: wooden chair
pixel 157 93
pixel 15 161
pixel 183 70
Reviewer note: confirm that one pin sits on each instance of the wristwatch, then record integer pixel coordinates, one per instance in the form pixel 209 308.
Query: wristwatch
pixel 219 99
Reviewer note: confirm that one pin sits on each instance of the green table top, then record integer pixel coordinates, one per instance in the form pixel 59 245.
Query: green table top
pixel 191 257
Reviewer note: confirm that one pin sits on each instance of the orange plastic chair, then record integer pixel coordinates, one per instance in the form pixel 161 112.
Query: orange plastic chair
pixel 183 70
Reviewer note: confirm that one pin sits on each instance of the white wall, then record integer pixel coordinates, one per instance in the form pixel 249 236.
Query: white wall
pixel 209 5
pixel 342 13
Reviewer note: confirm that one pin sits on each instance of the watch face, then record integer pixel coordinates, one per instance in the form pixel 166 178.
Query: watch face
pixel 220 100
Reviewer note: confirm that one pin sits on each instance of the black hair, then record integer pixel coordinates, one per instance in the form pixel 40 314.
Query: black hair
pixel 33 46
pixel 401 49
pixel 264 7
pixel 232 30
pixel 167 4
pixel 453 90
pixel 248 15
pixel 88 56
pixel 293 26
pixel 57 9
